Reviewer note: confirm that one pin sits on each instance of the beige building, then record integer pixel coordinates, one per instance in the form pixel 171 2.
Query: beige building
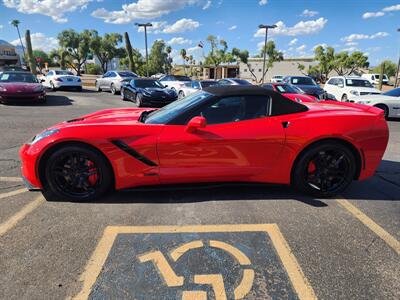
pixel 289 66
pixel 8 56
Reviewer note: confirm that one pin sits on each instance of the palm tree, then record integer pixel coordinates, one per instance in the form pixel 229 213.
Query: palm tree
pixel 169 50
pixel 15 23
pixel 183 55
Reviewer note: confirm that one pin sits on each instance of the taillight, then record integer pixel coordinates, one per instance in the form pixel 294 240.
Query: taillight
pixel 79 80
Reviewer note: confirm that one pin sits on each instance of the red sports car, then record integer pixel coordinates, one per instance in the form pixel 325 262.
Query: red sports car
pixel 17 86
pixel 220 134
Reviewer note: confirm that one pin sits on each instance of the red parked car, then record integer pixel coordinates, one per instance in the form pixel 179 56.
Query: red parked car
pixel 17 86
pixel 289 91
pixel 220 134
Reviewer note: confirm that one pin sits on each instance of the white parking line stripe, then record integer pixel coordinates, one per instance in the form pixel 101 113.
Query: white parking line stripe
pixel 378 230
pixel 11 179
pixel 13 193
pixel 11 222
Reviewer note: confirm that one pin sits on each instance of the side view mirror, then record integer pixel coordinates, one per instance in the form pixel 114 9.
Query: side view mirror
pixel 341 85
pixel 166 85
pixel 196 123
pixel 42 80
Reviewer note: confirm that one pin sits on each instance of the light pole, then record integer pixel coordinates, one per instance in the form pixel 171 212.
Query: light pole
pixel 145 25
pixel 265 44
pixel 398 68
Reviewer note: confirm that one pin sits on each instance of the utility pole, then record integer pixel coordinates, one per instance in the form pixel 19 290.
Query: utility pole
pixel 145 25
pixel 265 44
pixel 398 68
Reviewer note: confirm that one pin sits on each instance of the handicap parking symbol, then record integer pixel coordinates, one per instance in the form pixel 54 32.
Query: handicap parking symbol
pixel 194 263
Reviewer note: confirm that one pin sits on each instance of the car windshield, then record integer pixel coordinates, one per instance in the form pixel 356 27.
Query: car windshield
pixel 172 110
pixel 287 89
pixel 242 82
pixel 205 84
pixel 302 81
pixel 358 82
pixel 64 73
pixel 148 84
pixel 127 74
pixel 393 93
pixel 18 77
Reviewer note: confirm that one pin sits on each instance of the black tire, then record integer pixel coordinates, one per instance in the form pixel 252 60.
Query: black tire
pixel 113 90
pixel 62 183
pixel 98 89
pixel 79 89
pixel 53 88
pixel 385 110
pixel 334 169
pixel 138 100
pixel 344 98
pixel 122 95
pixel 44 100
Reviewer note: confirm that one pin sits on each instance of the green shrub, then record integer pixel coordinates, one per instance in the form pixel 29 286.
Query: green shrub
pixel 94 69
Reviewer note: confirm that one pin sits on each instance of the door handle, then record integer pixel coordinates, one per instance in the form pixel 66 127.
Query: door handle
pixel 285 124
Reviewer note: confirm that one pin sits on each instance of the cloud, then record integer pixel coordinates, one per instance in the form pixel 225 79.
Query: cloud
pixel 323 45
pixel 142 9
pixel 55 9
pixel 40 41
pixel 179 41
pixel 207 5
pixel 182 25
pixel 301 28
pixel 262 2
pixel 1 26
pixel 293 42
pixel 368 15
pixel 309 13
pixel 156 28
pixel 232 27
pixel 356 36
pixel 392 8
pixel 301 48
pixel 350 49
pixel 351 44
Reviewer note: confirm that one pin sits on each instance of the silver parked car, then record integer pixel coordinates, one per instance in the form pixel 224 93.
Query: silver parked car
pixel 111 81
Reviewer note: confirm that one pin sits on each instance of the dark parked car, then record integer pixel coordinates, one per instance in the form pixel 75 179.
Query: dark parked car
pixel 18 86
pixel 147 92
pixel 233 81
pixel 307 85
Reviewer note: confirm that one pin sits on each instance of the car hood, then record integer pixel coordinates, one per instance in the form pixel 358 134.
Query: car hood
pixel 341 107
pixel 19 87
pixel 155 90
pixel 373 98
pixel 310 88
pixel 364 89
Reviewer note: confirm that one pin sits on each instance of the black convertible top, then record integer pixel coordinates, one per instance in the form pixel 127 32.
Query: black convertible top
pixel 280 104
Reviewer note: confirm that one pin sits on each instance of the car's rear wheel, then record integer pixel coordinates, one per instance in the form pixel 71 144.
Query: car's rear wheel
pixel 76 173
pixel 385 109
pixel 113 89
pixel 324 170
pixel 98 89
pixel 181 95
pixel 345 98
pixel 52 86
pixel 139 102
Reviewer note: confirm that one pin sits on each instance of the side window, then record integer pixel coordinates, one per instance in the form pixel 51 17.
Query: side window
pixel 195 85
pixel 340 82
pixel 50 74
pixel 331 81
pixel 167 78
pixel 106 75
pixel 235 109
pixel 112 74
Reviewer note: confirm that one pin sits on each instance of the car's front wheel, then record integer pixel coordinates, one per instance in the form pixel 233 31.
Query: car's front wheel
pixel 123 98
pixel 385 110
pixel 98 89
pixel 345 98
pixel 181 95
pixel 76 173
pixel 324 170
pixel 113 89
pixel 138 100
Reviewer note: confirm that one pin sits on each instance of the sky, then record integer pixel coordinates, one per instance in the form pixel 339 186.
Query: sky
pixel 350 25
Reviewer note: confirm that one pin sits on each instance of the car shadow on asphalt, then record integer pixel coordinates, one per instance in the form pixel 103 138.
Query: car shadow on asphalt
pixel 51 100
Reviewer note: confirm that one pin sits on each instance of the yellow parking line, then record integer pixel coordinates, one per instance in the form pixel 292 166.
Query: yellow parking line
pixel 11 222
pixel 11 179
pixel 13 193
pixel 367 221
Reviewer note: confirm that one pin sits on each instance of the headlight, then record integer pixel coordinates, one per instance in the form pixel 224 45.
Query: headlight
pixel 147 93
pixel 355 93
pixel 39 88
pixel 3 89
pixel 43 135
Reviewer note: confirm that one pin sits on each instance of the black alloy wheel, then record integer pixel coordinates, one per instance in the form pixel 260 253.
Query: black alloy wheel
pixel 76 173
pixel 138 100
pixel 325 170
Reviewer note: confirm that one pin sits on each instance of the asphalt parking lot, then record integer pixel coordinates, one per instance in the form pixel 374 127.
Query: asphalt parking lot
pixel 226 242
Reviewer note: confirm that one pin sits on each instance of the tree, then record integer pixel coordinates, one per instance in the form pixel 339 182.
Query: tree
pixel 158 59
pixel 218 53
pixel 345 64
pixel 31 60
pixel 106 47
pixel 58 56
pixel 169 50
pixel 325 58
pixel 390 68
pixel 16 23
pixel 183 55
pixel 41 58
pixel 129 53
pixel 77 46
